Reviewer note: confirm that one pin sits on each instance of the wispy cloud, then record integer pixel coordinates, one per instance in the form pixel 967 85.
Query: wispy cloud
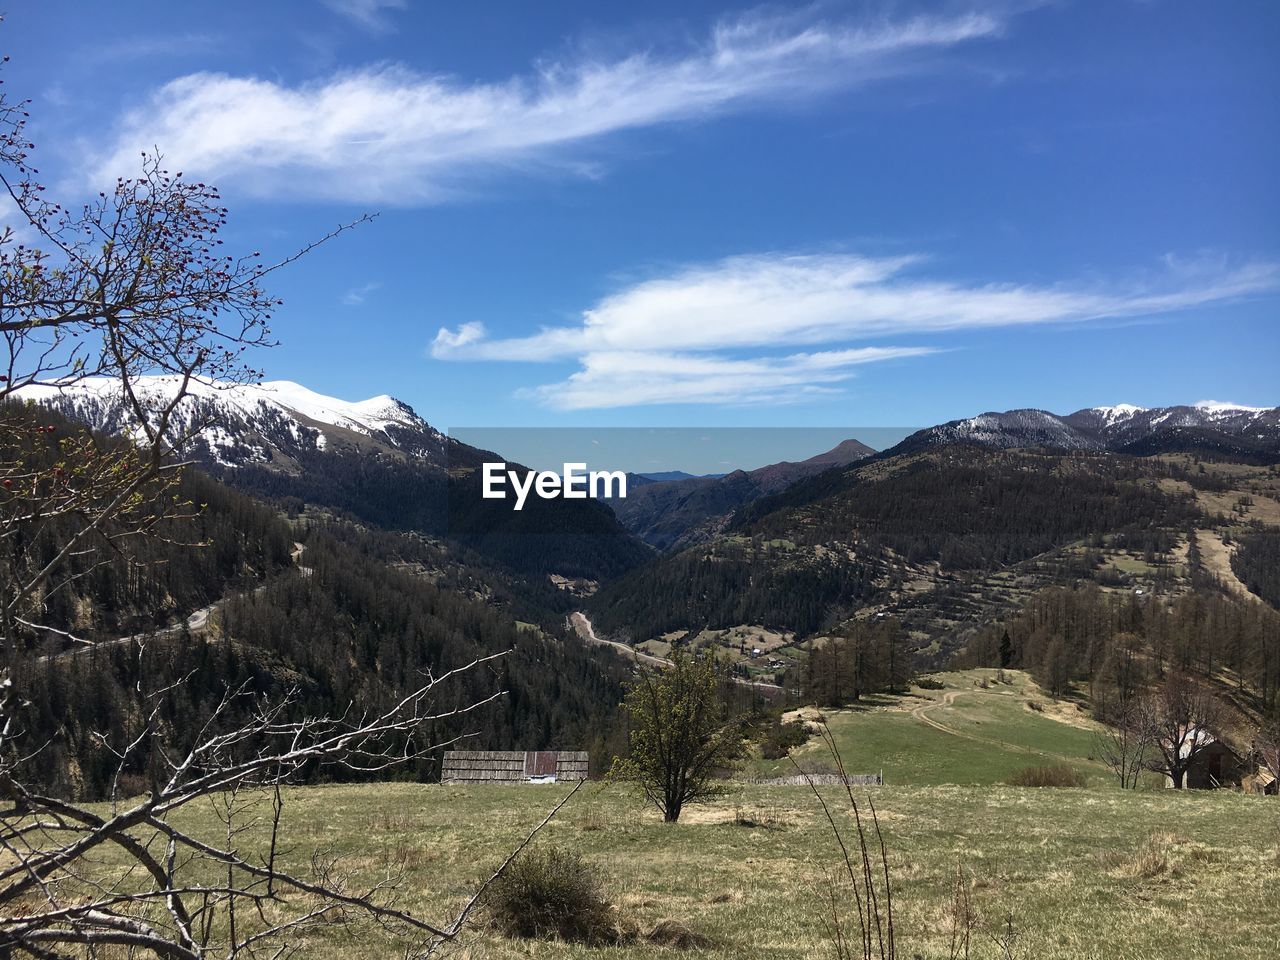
pixel 370 14
pixel 683 337
pixel 640 378
pixel 356 296
pixel 139 46
pixel 392 134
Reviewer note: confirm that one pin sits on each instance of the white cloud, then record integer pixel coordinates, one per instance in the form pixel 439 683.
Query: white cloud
pixel 681 338
pixel 628 379
pixel 451 340
pixel 370 14
pixel 776 300
pixel 392 134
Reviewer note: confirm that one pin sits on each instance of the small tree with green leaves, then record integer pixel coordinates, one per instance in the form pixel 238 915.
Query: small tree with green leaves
pixel 682 737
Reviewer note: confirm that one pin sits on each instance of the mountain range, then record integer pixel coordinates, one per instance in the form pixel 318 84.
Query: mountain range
pixel 378 460
pixel 1209 427
pixel 275 424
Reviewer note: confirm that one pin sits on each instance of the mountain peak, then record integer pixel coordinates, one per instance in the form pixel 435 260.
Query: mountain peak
pixel 267 423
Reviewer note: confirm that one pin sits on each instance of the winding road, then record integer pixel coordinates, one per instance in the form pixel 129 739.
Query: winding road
pixel 196 623
pixel 584 629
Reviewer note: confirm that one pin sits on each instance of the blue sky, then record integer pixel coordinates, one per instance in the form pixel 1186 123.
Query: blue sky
pixel 827 214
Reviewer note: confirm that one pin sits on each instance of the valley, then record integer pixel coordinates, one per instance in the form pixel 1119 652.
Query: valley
pixel 867 597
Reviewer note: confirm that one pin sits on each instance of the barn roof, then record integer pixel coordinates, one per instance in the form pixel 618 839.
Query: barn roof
pixel 513 766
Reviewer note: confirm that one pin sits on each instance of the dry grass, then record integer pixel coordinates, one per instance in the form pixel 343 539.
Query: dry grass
pixel 1216 557
pixel 1168 874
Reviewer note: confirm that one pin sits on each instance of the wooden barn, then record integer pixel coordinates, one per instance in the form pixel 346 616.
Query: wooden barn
pixel 1214 765
pixel 513 766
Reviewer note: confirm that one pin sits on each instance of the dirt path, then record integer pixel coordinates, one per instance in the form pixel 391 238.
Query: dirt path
pixel 588 633
pixel 921 713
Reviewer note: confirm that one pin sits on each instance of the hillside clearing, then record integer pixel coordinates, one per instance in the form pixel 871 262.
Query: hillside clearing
pixel 975 730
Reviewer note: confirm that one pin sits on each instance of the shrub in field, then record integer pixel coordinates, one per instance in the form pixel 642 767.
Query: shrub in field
pixel 928 683
pixel 781 737
pixel 674 934
pixel 1053 775
pixel 769 819
pixel 683 738
pixel 1154 859
pixel 550 892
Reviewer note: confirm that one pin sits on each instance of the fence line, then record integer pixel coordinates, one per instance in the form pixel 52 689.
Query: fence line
pixel 821 779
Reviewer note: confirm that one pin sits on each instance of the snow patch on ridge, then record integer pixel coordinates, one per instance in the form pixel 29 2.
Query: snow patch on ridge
pixel 372 416
pixel 1218 406
pixel 1121 411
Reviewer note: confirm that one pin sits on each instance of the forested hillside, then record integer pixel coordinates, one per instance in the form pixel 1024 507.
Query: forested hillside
pixel 1257 563
pixel 344 632
pixel 1119 643
pixel 214 540
pixel 574 538
pixel 804 559
pixel 340 618
pixel 974 509
pixel 735 581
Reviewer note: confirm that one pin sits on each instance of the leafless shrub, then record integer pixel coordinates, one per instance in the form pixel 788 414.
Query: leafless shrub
pixel 1125 747
pixel 863 871
pixel 963 916
pixel 591 821
pixel 395 822
pixel 677 936
pixel 1051 775
pixel 768 819
pixel 1005 938
pixel 1155 858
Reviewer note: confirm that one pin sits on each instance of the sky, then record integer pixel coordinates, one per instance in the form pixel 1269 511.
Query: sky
pixel 699 214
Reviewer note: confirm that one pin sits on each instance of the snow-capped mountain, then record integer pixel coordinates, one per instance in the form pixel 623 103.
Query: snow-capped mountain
pixel 273 424
pixel 1125 423
pixel 1209 426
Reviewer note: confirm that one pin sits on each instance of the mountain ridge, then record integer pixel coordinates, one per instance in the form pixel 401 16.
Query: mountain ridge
pixel 675 513
pixel 1123 428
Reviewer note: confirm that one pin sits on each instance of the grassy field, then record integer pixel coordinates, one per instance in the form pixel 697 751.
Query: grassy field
pixel 1082 873
pixel 975 730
